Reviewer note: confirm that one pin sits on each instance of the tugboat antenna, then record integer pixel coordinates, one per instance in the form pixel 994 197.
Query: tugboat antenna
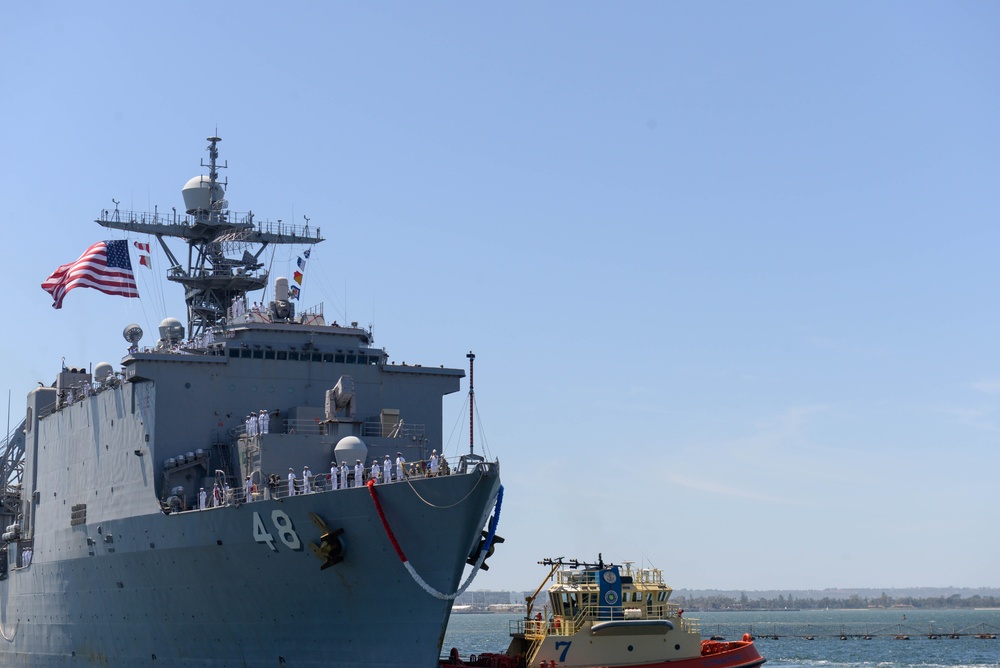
pixel 472 400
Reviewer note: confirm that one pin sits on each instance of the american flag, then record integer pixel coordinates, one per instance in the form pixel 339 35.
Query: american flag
pixel 105 266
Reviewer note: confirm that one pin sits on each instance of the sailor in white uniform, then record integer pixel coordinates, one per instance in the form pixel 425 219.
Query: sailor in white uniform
pixel 387 470
pixel 376 471
pixel 434 462
pixel 202 499
pixel 263 421
pixel 333 475
pixel 291 482
pixel 400 466
pixel 343 475
pixel 306 482
pixel 359 474
pixel 248 490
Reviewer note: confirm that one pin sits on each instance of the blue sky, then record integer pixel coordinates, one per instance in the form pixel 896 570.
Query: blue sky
pixel 729 269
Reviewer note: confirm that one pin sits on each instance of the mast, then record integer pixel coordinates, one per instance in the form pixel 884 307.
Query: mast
pixel 472 400
pixel 224 247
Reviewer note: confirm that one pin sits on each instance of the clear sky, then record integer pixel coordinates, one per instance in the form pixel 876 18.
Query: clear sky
pixel 730 270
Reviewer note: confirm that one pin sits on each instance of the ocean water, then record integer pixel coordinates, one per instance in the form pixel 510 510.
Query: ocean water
pixel 475 633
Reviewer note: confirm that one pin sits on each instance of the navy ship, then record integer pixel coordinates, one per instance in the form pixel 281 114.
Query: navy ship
pixel 220 497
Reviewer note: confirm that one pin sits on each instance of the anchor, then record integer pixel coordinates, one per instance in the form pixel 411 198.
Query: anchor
pixel 331 548
pixel 474 555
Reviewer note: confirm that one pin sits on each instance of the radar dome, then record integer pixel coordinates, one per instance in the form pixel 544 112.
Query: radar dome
pixel 349 449
pixel 171 329
pixel 103 371
pixel 198 194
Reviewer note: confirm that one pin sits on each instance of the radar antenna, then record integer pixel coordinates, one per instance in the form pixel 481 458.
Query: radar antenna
pixel 132 333
pixel 224 247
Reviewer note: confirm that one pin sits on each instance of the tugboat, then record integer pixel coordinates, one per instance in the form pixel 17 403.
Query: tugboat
pixel 610 616
pixel 175 509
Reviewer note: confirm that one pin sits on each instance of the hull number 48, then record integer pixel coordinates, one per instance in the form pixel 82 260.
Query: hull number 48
pixel 282 526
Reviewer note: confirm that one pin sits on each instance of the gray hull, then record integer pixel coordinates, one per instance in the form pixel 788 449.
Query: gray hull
pixel 208 594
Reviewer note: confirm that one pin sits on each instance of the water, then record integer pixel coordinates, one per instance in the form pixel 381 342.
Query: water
pixel 475 633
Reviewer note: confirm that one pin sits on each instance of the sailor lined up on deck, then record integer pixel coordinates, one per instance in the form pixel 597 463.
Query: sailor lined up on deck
pixel 400 466
pixel 306 482
pixel 258 423
pixel 291 481
pixel 387 470
pixel 359 473
pixel 376 471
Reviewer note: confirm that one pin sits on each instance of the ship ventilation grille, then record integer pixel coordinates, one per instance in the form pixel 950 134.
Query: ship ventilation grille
pixel 78 515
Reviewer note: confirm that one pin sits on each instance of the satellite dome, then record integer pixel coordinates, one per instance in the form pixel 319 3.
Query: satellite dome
pixel 103 371
pixel 198 194
pixel 350 448
pixel 171 329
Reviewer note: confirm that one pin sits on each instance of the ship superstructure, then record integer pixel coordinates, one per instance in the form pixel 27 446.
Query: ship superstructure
pixel 220 497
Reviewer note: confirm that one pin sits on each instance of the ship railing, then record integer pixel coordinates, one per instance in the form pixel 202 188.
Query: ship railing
pixel 138 220
pixel 570 624
pixel 404 430
pixel 557 625
pixel 302 426
pixel 277 487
